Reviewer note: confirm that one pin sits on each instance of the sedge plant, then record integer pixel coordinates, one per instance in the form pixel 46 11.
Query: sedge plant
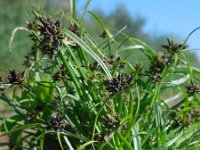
pixel 82 92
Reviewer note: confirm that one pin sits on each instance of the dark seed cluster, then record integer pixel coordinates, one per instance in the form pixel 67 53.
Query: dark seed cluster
pixel 138 68
pixel 157 67
pixel 105 137
pixel 173 47
pixel 186 119
pixel 1 80
pixel 111 122
pixel 74 28
pixel 57 122
pixel 192 88
pixel 15 78
pixel 51 36
pixel 119 83
pixel 61 74
pixel 104 35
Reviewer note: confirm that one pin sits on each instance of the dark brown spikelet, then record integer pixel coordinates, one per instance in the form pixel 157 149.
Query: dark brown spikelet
pixel 192 88
pixel 51 36
pixel 61 74
pixel 15 78
pixel 111 122
pixel 104 35
pixel 173 47
pixel 74 28
pixel 57 122
pixel 187 117
pixel 119 83
pixel 157 67
pixel 1 81
pixel 138 67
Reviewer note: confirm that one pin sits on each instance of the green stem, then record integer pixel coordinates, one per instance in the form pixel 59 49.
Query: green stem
pixel 97 116
pixel 71 73
pixel 83 78
pixel 120 99
pixel 133 118
pixel 127 144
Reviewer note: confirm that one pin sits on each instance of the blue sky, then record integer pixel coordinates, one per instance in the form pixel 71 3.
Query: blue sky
pixel 178 17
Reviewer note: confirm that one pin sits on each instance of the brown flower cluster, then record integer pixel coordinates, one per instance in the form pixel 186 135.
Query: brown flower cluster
pixel 111 122
pixel 173 47
pixel 13 78
pixel 192 88
pixel 119 83
pixel 57 122
pixel 51 36
pixel 61 74
pixel 74 28
pixel 157 67
pixel 186 118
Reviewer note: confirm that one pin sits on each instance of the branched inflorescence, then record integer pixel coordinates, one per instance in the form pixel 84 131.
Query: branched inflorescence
pixel 192 88
pixel 186 118
pixel 61 74
pixel 119 83
pixel 57 122
pixel 174 47
pixel 111 122
pixel 15 78
pixel 157 67
pixel 51 36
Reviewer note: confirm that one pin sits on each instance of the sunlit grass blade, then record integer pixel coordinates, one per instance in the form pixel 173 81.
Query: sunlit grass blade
pixel 82 147
pixel 89 51
pixel 73 9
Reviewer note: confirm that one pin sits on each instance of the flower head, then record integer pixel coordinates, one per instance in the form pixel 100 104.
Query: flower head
pixel 192 88
pixel 15 78
pixel 157 67
pixel 173 47
pixel 119 83
pixel 57 122
pixel 51 36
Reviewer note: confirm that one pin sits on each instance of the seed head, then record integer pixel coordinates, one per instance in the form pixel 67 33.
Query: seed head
pixel 157 67
pixel 111 122
pixel 15 78
pixel 192 88
pixel 51 36
pixel 1 81
pixel 119 83
pixel 57 122
pixel 173 47
pixel 61 74
pixel 74 28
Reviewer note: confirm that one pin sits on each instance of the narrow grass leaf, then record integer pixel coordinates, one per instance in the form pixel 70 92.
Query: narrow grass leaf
pixel 98 20
pixel 172 141
pixel 82 147
pixel 59 140
pixel 42 140
pixel 68 143
pixel 131 47
pixel 73 9
pixel 89 51
pixel 20 128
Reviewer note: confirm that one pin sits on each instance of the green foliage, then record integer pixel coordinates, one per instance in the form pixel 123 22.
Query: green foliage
pixel 77 92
